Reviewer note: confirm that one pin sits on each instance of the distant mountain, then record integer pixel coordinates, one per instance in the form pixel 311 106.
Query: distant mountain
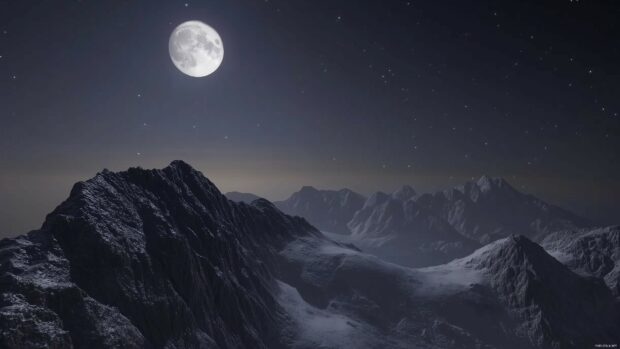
pixel 397 229
pixel 328 210
pixel 161 259
pixel 241 197
pixel 490 209
pixel 404 193
pixel 593 252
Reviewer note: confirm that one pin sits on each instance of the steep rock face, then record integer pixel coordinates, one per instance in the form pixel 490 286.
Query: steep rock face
pixel 593 252
pixel 328 210
pixel 147 259
pixel 401 231
pixel 557 308
pixel 40 307
pixel 241 197
pixel 491 209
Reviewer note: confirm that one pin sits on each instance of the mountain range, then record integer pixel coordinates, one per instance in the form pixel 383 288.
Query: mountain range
pixel 426 229
pixel 328 210
pixel 162 259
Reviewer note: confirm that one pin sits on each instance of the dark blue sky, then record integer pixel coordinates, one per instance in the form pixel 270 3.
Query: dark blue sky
pixel 368 95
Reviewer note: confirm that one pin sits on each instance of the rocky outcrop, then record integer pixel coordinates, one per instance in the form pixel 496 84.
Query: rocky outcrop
pixel 146 258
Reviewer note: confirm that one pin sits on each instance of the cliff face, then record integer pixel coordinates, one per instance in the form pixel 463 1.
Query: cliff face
pixel 147 258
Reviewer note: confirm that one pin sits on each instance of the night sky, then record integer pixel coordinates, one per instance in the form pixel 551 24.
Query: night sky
pixel 368 95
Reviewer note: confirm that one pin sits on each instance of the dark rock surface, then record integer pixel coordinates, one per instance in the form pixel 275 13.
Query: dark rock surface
pixel 146 258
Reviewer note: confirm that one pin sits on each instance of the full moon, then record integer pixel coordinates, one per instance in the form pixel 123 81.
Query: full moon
pixel 196 48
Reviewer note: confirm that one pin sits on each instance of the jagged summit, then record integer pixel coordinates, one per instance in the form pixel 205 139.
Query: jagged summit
pixel 513 250
pixel 487 183
pixel 404 193
pixel 157 258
